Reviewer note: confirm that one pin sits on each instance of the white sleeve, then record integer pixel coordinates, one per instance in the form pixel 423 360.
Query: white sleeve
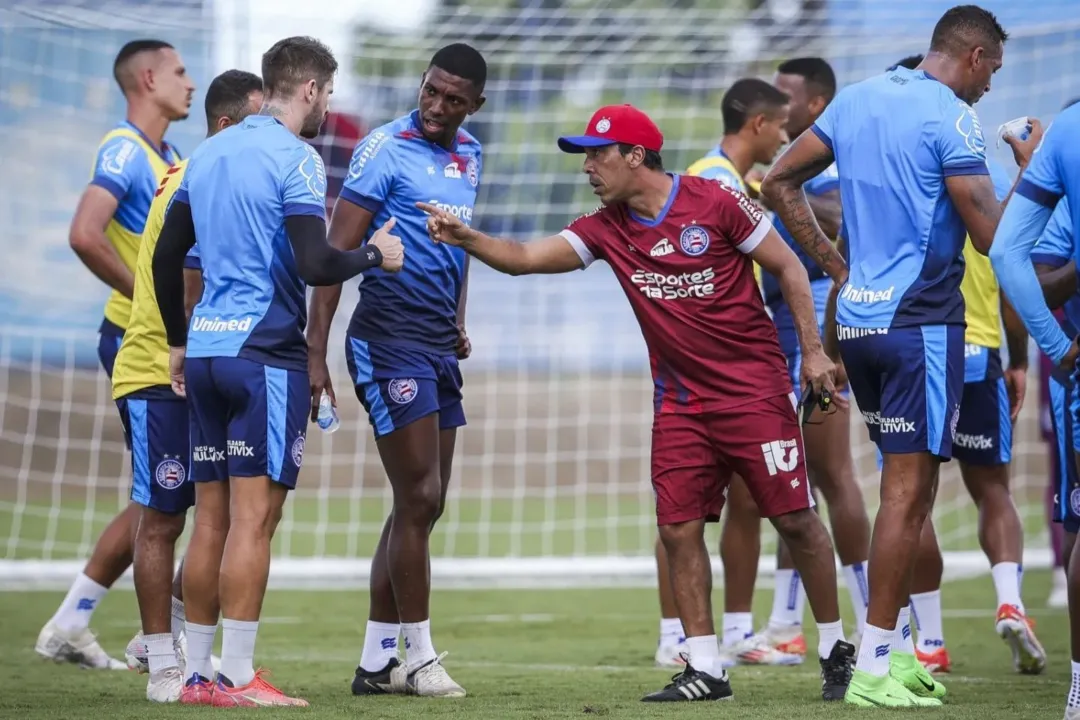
pixel 750 244
pixel 579 246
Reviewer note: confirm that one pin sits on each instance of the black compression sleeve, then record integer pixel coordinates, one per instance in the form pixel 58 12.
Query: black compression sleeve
pixel 176 238
pixel 318 262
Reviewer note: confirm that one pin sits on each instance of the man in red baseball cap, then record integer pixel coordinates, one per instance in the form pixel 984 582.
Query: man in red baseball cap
pixel 616 124
pixel 682 249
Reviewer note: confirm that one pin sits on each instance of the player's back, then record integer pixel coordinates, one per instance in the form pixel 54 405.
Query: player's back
pixel 143 358
pixel 241 184
pixel 895 138
pixel 391 170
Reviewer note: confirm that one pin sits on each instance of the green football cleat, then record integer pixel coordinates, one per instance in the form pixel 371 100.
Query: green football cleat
pixel 868 690
pixel 910 673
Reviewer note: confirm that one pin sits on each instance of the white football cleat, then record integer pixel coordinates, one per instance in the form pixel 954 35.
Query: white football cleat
pixel 135 654
pixel 80 647
pixel 166 686
pixel 670 655
pixel 432 680
pixel 758 650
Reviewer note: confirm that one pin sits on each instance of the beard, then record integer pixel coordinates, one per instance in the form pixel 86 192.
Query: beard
pixel 312 123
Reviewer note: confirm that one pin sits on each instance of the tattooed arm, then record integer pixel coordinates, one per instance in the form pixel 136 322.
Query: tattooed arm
pixel 826 207
pixel 783 190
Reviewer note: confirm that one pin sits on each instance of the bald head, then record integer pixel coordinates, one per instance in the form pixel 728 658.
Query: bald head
pixel 135 57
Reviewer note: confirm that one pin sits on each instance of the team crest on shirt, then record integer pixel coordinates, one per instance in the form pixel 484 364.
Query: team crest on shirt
pixel 694 240
pixel 297 451
pixel 472 171
pixel 401 391
pixel 1074 501
pixel 170 474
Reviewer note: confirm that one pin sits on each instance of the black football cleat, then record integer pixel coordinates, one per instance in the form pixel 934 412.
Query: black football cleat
pixel 691 685
pixel 836 671
pixel 389 680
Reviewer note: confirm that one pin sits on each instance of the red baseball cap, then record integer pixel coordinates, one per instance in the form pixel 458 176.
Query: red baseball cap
pixel 615 124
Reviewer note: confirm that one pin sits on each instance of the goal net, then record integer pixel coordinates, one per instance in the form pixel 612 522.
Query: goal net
pixel 550 480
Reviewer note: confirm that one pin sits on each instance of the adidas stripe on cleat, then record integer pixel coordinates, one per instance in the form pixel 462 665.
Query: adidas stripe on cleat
pixel 691 685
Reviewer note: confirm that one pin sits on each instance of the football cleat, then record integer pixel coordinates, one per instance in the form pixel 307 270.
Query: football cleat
pixel 389 680
pixel 1018 631
pixel 758 650
pixel 906 669
pixel 692 685
pixel 80 648
pixel 836 671
pixel 866 690
pixel 936 661
pixel 671 655
pixel 432 680
pixel 257 693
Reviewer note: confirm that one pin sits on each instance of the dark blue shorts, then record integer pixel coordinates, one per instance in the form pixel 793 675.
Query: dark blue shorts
pixel 1065 424
pixel 156 430
pixel 984 430
pixel 109 338
pixel 247 419
pixel 789 339
pixel 907 383
pixel 398 386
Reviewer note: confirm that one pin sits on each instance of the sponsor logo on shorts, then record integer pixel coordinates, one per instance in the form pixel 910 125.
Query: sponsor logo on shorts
pixel 781 455
pixel 889 425
pixel 973 442
pixel 216 324
pixel 954 421
pixel 401 391
pixel 849 333
pixel 239 448
pixel 866 296
pixel 1074 501
pixel 297 451
pixel 170 473
pixel 207 453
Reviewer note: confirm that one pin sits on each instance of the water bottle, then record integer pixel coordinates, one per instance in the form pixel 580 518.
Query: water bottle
pixel 328 418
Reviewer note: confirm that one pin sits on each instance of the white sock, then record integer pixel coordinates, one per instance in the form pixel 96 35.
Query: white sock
pixel 160 654
pixel 737 627
pixel 238 650
pixel 828 635
pixel 858 590
pixel 705 655
pixel 1074 691
pixel 787 610
pixel 926 609
pixel 902 640
pixel 178 619
pixel 418 647
pixel 380 645
pixel 1007 584
pixel 671 632
pixel 200 646
pixel 874 651
pixel 79 604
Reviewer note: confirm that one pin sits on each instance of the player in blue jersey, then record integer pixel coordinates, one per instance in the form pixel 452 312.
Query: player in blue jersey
pixel 1053 176
pixel 403 345
pixel 105 233
pixel 912 164
pixel 991 401
pixel 254 198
